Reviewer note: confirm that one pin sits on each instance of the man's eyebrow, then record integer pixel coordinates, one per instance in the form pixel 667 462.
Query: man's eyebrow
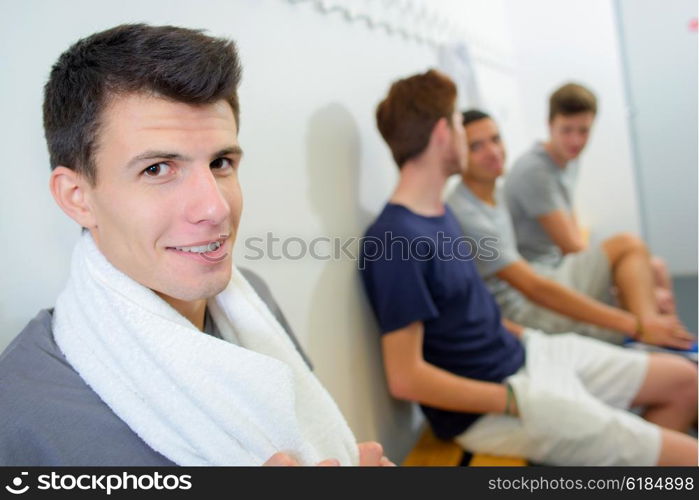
pixel 153 155
pixel 167 155
pixel 232 150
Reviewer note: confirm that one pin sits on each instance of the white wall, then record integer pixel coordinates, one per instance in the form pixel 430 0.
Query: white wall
pixel 556 41
pixel 661 67
pixel 314 166
pixel 314 163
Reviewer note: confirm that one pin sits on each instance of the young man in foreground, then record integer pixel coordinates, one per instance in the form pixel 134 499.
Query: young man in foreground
pixel 565 402
pixel 159 351
pixel 571 298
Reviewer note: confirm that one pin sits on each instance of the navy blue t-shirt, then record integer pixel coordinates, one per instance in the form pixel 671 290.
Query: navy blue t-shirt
pixel 417 268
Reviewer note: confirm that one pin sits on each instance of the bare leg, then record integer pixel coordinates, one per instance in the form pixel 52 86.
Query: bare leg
pixel 669 392
pixel 661 273
pixel 677 449
pixel 632 273
pixel 664 294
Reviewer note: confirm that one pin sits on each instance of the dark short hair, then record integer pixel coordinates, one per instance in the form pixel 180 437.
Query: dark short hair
pixel 472 115
pixel 180 64
pixel 571 99
pixel 414 105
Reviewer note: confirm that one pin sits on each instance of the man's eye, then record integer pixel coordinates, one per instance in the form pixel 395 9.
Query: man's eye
pixel 157 170
pixel 221 163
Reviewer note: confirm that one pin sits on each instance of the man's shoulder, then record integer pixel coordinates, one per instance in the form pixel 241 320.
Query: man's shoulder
pixel 398 221
pixel 530 174
pixel 394 221
pixel 34 371
pixel 50 416
pixel 35 381
pixel 461 201
pixel 34 346
pixel 532 160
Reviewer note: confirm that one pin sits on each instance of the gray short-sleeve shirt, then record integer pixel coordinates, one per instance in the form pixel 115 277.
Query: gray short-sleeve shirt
pixel 491 228
pixel 537 186
pixel 51 417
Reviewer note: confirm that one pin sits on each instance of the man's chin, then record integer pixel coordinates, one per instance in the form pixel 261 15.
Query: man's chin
pixel 572 155
pixel 201 291
pixel 496 170
pixel 456 168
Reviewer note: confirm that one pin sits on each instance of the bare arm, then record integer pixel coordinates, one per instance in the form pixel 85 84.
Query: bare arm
pixel 563 229
pixel 563 300
pixel 411 378
pixel 513 328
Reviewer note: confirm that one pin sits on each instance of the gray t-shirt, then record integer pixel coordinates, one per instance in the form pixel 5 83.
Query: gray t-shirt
pixel 537 186
pixel 491 227
pixel 50 417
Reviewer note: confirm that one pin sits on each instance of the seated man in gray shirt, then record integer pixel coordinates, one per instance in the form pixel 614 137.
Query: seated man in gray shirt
pixel 142 130
pixel 563 299
pixel 539 193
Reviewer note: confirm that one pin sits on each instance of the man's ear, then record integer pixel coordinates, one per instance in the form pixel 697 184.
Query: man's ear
pixel 71 192
pixel 441 133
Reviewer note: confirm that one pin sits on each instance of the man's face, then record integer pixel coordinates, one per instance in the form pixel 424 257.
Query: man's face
pixel 456 156
pixel 569 134
pixel 167 183
pixel 486 153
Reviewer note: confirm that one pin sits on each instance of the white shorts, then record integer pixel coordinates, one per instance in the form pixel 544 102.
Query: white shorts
pixel 587 272
pixel 573 394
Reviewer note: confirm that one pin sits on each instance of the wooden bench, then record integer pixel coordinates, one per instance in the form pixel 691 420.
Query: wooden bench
pixel 431 451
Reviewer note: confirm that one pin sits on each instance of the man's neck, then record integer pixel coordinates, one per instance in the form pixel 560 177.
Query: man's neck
pixel 483 190
pixel 193 310
pixel 420 188
pixel 558 160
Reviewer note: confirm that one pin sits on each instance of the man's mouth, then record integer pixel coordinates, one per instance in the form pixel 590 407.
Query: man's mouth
pixel 497 166
pixel 210 251
pixel 209 247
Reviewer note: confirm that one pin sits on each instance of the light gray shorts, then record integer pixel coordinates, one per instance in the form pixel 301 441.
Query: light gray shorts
pixel 588 272
pixel 573 394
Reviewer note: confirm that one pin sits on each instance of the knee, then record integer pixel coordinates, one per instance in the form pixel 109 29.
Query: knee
pixel 630 242
pixel 624 244
pixel 689 377
pixel 685 376
pixel 658 262
pixel 659 266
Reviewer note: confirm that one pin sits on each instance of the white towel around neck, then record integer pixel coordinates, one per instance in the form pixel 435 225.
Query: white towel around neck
pixel 195 399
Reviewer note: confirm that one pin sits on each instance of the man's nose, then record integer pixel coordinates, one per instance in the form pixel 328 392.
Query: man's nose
pixel 493 150
pixel 205 202
pixel 580 139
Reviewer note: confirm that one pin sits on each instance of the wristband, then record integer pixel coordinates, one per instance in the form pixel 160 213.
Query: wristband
pixel 510 399
pixel 639 329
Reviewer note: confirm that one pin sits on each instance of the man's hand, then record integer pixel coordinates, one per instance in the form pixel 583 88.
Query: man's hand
pixel 370 455
pixel 664 330
pixel 281 459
